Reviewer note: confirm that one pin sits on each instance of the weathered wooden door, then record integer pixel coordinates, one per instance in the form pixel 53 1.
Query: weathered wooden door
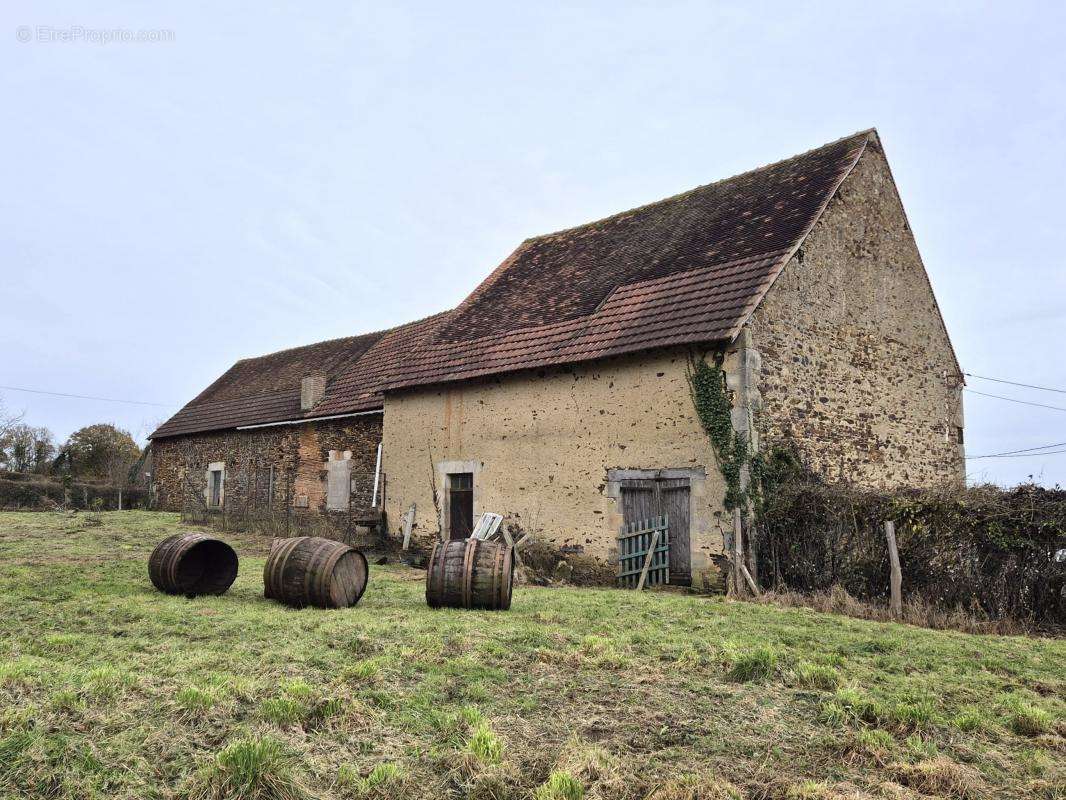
pixel 674 502
pixel 643 498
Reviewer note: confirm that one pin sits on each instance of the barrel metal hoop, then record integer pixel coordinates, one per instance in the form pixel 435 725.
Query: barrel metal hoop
pixel 441 578
pixel 169 572
pixel 468 570
pixel 275 543
pixel 181 547
pixel 327 573
pixel 277 576
pixel 430 576
pixel 311 573
pixel 497 588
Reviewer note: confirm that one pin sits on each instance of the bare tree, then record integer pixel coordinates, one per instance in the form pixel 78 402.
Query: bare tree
pixel 8 419
pixel 24 448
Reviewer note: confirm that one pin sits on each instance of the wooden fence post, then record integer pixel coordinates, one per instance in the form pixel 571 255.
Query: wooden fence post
pixel 408 523
pixel 738 552
pixel 896 601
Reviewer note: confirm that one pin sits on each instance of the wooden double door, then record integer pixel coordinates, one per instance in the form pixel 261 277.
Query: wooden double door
pixel 653 497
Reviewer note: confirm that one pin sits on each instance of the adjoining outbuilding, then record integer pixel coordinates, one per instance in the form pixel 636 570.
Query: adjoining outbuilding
pixel 560 392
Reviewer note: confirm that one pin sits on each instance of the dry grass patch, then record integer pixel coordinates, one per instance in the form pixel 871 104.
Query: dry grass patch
pixel 600 774
pixel 696 787
pixel 942 777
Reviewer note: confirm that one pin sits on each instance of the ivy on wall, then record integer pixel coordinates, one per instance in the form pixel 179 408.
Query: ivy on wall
pixel 714 409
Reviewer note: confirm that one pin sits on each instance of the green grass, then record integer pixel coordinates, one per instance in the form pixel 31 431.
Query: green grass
pixel 249 767
pixel 757 664
pixel 109 689
pixel 560 786
pixel 484 745
pixel 817 676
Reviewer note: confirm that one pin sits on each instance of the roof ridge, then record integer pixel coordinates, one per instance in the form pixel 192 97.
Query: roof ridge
pixel 693 190
pixel 417 321
pixel 378 333
pixel 196 402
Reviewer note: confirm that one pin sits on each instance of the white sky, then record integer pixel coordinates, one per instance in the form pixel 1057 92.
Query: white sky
pixel 279 174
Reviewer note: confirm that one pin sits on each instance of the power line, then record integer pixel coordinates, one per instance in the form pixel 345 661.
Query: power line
pixel 1014 400
pixel 1023 450
pixel 86 397
pixel 1014 383
pixel 1019 455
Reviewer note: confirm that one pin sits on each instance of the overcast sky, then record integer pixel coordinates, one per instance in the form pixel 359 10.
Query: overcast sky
pixel 272 174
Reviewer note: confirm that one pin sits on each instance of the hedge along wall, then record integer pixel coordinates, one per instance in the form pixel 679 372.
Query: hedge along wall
pixel 37 494
pixel 998 554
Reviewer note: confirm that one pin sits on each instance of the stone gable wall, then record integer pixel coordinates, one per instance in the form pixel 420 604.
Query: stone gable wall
pixel 856 367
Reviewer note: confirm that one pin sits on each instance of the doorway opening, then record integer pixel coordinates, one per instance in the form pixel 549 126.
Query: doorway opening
pixel 460 504
pixel 643 498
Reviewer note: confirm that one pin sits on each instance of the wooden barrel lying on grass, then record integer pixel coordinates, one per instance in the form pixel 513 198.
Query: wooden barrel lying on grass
pixel 468 573
pixel 192 564
pixel 309 571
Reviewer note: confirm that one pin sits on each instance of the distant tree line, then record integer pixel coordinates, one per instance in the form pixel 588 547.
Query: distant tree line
pixel 101 452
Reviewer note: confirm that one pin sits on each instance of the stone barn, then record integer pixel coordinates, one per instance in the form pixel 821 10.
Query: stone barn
pixel 558 394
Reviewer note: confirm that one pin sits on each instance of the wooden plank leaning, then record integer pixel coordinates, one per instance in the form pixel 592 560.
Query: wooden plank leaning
pixel 648 558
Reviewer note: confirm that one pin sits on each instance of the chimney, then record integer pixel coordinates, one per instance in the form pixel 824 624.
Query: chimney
pixel 312 390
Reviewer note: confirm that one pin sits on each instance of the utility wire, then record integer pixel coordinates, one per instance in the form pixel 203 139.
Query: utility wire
pixel 1019 455
pixel 1014 400
pixel 87 397
pixel 1023 450
pixel 1014 383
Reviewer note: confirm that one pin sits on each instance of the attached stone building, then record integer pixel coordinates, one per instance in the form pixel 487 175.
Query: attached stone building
pixel 557 393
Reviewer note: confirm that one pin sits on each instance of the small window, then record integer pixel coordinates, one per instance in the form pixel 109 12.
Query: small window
pixel 460 505
pixel 215 488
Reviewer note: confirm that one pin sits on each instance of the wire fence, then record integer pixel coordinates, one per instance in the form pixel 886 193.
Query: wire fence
pixel 274 502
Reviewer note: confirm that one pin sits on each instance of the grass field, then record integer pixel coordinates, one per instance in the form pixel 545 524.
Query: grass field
pixel 109 689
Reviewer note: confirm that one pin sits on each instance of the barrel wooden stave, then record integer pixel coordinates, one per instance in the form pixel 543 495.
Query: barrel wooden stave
pixel 311 571
pixel 469 573
pixel 192 564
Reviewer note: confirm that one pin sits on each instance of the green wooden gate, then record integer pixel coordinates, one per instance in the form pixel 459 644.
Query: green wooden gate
pixel 644 553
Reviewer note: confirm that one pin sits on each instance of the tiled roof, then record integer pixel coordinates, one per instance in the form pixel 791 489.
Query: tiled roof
pixel 688 269
pixel 264 389
pixel 362 387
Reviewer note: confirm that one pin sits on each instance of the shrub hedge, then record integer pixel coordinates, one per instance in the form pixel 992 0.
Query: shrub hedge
pixel 996 553
pixel 36 492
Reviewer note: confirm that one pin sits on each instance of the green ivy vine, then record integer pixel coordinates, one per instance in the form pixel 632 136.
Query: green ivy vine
pixel 714 409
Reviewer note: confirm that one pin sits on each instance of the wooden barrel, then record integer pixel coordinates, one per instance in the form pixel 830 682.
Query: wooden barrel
pixel 192 564
pixel 468 573
pixel 309 571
